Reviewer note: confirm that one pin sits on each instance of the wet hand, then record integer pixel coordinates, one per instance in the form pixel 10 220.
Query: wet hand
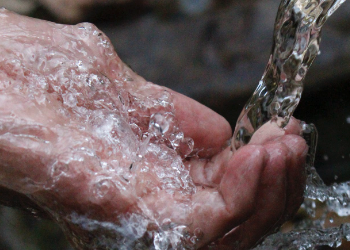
pixel 120 162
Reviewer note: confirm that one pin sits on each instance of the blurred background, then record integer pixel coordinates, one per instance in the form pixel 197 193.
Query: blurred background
pixel 214 51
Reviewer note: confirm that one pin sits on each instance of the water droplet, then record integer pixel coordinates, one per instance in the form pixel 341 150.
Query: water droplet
pixel 160 241
pixel 325 157
pixel 159 123
pixel 274 108
pixel 102 188
pixel 313 204
pixel 79 64
pixel 186 146
pixel 69 99
pixel 58 169
pixel 346 230
pixel 164 99
pixel 175 139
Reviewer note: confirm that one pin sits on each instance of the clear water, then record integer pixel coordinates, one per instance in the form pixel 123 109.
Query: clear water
pixel 297 36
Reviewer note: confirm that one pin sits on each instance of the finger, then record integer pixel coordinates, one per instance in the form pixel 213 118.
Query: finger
pixel 216 212
pixel 271 200
pixel 209 130
pixel 209 172
pixel 271 131
pixel 293 127
pixel 296 175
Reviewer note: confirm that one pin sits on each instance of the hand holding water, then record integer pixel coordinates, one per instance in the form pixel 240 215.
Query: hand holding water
pixel 122 163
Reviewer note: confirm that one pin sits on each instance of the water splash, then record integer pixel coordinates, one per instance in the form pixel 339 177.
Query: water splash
pixel 102 131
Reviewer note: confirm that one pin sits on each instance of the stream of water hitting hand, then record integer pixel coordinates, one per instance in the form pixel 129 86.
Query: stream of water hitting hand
pixel 297 35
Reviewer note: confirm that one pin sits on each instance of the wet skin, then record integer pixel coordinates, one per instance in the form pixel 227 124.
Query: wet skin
pixel 46 113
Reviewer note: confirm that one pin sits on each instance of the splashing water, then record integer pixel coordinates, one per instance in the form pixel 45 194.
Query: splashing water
pixel 154 133
pixel 296 44
pixel 107 130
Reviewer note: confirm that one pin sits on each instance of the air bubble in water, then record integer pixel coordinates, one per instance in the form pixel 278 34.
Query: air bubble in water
pixel 275 107
pixel 69 99
pixel 346 230
pixel 159 123
pixel 160 242
pixel 58 169
pixel 102 187
pixel 79 63
pixel 186 146
pixel 175 139
pixel 182 144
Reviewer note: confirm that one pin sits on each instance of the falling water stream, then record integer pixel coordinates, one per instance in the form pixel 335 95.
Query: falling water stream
pixel 297 36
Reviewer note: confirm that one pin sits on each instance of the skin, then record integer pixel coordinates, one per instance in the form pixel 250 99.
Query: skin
pixel 237 197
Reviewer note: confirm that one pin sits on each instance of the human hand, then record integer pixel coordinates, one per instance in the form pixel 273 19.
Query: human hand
pixel 120 162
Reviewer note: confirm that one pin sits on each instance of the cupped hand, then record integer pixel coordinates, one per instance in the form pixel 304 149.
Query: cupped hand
pixel 121 163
